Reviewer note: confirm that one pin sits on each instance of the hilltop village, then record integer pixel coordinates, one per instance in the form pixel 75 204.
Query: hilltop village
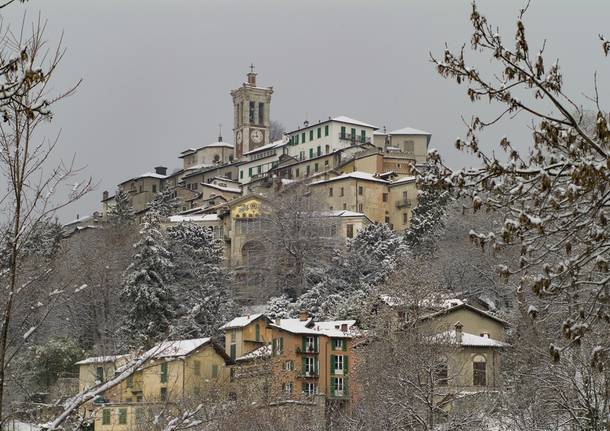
pixel 293 367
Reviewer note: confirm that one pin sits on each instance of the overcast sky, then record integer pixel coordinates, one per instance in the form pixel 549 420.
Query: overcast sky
pixel 157 74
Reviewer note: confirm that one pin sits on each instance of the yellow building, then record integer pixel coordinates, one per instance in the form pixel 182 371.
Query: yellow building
pixel 306 359
pixel 246 334
pixel 177 370
pixel 407 141
pixel 380 198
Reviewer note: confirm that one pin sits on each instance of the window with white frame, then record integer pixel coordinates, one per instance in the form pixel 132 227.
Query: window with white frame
pixel 310 344
pixel 287 388
pixel 310 365
pixel 339 364
pixel 288 365
pixel 338 386
pixel 310 388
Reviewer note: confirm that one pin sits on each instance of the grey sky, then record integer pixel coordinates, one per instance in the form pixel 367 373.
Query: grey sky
pixel 157 74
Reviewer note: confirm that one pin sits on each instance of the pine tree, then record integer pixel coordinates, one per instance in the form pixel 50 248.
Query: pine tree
pixel 165 203
pixel 122 212
pixel 202 283
pixel 428 220
pixel 147 291
pixel 279 307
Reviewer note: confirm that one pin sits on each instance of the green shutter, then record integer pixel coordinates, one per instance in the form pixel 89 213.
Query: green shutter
pixel 311 153
pixel 332 364
pixel 250 172
pixel 362 135
pixel 343 131
pixel 273 342
pixel 353 134
pixel 345 364
pixel 106 417
pixel 326 130
pixel 319 132
pixel 303 364
pixel 344 344
pixel 319 150
pixel 303 137
pixel 304 339
pixel 281 344
pixel 316 366
pixel 164 372
pixel 241 174
pixel 311 135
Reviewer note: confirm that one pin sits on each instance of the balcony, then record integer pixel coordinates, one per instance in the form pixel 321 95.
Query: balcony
pixel 308 349
pixel 309 375
pixel 403 203
pixel 338 393
pixel 354 139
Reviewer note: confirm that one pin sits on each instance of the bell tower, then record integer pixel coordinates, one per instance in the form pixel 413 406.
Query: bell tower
pixel 251 107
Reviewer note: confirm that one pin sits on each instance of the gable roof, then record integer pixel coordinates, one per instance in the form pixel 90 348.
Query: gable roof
pixel 408 131
pixel 182 348
pixel 357 175
pixel 470 340
pixel 466 306
pixel 100 359
pixel 242 321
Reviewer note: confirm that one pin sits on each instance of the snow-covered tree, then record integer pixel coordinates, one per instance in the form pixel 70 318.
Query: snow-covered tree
pixel 121 213
pixel 202 283
pixel 554 196
pixel 279 307
pixel 428 219
pixel 165 203
pixel 147 291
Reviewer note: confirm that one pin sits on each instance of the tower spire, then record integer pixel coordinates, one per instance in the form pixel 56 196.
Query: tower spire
pixel 219 132
pixel 252 76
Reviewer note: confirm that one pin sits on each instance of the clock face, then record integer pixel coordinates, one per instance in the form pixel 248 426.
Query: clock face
pixel 238 137
pixel 256 136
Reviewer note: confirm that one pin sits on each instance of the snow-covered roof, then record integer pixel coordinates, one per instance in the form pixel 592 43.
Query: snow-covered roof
pixel 241 321
pixel 193 218
pixel 296 326
pixel 470 340
pixel 222 188
pixel 261 352
pixel 342 213
pixel 274 144
pixel 172 349
pixel 404 180
pixel 79 220
pixel 218 144
pixel 355 175
pixel 309 327
pixel 461 304
pixel 408 131
pixel 152 175
pixel 344 119
pixel 100 359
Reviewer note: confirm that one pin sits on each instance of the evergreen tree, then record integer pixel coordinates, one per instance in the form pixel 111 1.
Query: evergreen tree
pixel 122 212
pixel 279 307
pixel 428 220
pixel 202 283
pixel 165 203
pixel 147 292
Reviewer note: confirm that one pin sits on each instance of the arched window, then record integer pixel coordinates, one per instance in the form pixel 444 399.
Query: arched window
pixel 479 371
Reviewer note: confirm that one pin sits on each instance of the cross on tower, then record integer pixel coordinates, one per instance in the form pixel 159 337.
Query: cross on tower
pixel 251 67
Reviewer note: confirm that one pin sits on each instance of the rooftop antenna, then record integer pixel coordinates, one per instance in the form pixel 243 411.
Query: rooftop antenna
pixel 219 132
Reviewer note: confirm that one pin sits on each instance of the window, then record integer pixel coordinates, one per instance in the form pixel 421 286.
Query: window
pixel 154 187
pixel 405 218
pixel 311 153
pixel 342 192
pixel 139 415
pixel 106 417
pixel 303 137
pixel 384 197
pixel 353 136
pixel 326 130
pixel 330 192
pixel 214 371
pixel 338 364
pixel 197 368
pixel 123 416
pixel 163 372
pixel 387 219
pixel 319 132
pixel 251 112
pixel 350 230
pixel 99 374
pixel 319 150
pixel 241 174
pixel 163 394
pixel 288 365
pixel 309 365
pixel 360 207
pixel 363 136
pixel 311 135
pixel 296 172
pixel 261 113
pixel 325 163
pixel 307 170
pixel 194 186
pixel 287 388
pixel 249 172
pixel 130 381
pixel 327 149
pixel 278 345
pixel 258 169
pixel 302 155
pixel 479 371
pixel 409 147
pixel 140 188
pixel 360 190
pixel 233 351
pixel 315 167
pixel 257 334
pixel 342 132
pixel 310 389
pixel 338 344
pixel 296 140
pixel 345 207
pixel 337 386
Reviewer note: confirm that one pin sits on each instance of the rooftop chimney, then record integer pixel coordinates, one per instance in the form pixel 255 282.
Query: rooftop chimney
pixel 344 327
pixel 458 332
pixel 303 316
pixel 105 195
pixel 485 335
pixel 161 170
pixel 278 321
pixel 305 123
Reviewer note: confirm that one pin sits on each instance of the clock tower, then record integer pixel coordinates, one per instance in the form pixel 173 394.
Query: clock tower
pixel 250 115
